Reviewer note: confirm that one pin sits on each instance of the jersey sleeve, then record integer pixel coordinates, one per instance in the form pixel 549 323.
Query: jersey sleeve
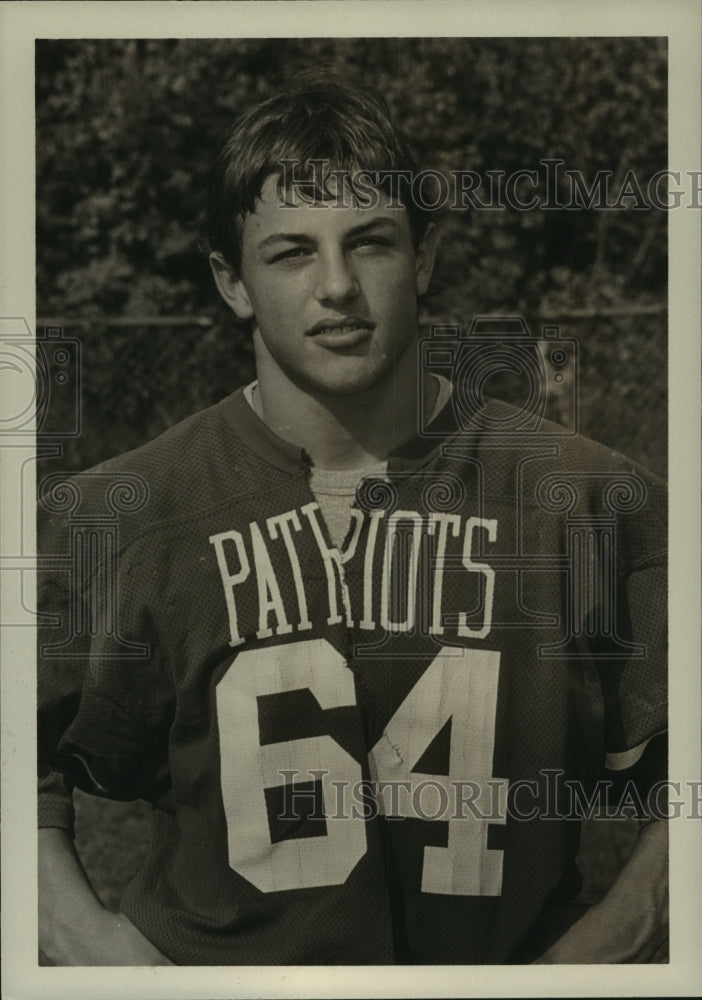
pixel 58 695
pixel 635 687
pixel 105 698
pixel 55 801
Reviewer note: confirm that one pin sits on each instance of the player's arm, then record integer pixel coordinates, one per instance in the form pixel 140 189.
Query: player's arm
pixel 74 926
pixel 630 922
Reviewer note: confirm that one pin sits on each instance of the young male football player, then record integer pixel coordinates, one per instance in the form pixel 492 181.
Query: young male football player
pixel 360 664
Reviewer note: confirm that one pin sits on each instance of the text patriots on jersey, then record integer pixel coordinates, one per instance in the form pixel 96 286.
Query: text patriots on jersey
pixel 391 574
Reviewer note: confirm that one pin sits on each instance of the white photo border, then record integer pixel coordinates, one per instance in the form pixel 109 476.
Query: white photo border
pixel 679 20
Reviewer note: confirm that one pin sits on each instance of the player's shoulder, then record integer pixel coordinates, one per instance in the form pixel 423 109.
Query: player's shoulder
pixel 548 466
pixel 570 449
pixel 206 459
pixel 183 450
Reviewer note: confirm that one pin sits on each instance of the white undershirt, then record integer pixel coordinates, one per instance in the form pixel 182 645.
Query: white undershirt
pixel 335 489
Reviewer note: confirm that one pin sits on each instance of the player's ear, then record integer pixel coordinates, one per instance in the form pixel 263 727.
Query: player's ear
pixel 425 255
pixel 231 287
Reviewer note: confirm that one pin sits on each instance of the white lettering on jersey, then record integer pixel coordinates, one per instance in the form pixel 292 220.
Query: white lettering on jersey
pixel 367 622
pixel 352 539
pixel 332 566
pixel 230 580
pixel 458 685
pixel 282 522
pixel 269 596
pixel 464 630
pixel 248 768
pixel 443 521
pixel 392 595
pixel 391 600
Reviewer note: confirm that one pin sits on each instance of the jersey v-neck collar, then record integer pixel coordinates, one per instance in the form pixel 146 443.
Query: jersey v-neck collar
pixel 259 438
pixel 292 458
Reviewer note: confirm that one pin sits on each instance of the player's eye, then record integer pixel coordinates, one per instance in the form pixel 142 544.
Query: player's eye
pixel 370 241
pixel 293 253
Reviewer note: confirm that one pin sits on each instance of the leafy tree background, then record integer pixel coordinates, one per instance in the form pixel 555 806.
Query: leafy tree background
pixel 125 132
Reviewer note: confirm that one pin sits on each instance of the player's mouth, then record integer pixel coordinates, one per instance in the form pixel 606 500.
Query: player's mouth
pixel 339 333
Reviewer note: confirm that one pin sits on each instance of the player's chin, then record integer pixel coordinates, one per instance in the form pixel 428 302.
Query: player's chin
pixel 345 384
pixel 348 376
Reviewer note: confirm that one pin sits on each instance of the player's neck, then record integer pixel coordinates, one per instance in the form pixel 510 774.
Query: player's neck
pixel 343 432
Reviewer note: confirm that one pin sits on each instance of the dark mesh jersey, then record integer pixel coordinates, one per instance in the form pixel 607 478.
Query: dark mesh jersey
pixel 372 756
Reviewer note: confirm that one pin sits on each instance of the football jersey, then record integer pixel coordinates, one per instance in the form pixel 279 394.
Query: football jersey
pixel 369 755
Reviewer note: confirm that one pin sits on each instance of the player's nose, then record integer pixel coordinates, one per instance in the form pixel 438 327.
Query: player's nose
pixel 336 280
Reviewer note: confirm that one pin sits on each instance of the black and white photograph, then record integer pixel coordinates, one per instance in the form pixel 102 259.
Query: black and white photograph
pixel 344 431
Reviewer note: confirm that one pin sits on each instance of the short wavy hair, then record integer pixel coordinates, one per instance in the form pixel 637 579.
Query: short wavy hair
pixel 318 118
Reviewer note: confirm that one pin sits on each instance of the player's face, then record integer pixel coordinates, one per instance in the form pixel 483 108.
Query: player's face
pixel 333 290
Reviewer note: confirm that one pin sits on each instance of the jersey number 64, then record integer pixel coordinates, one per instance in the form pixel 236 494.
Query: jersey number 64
pixel 459 684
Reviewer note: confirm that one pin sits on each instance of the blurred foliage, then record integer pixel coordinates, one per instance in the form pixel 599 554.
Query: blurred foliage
pixel 125 132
